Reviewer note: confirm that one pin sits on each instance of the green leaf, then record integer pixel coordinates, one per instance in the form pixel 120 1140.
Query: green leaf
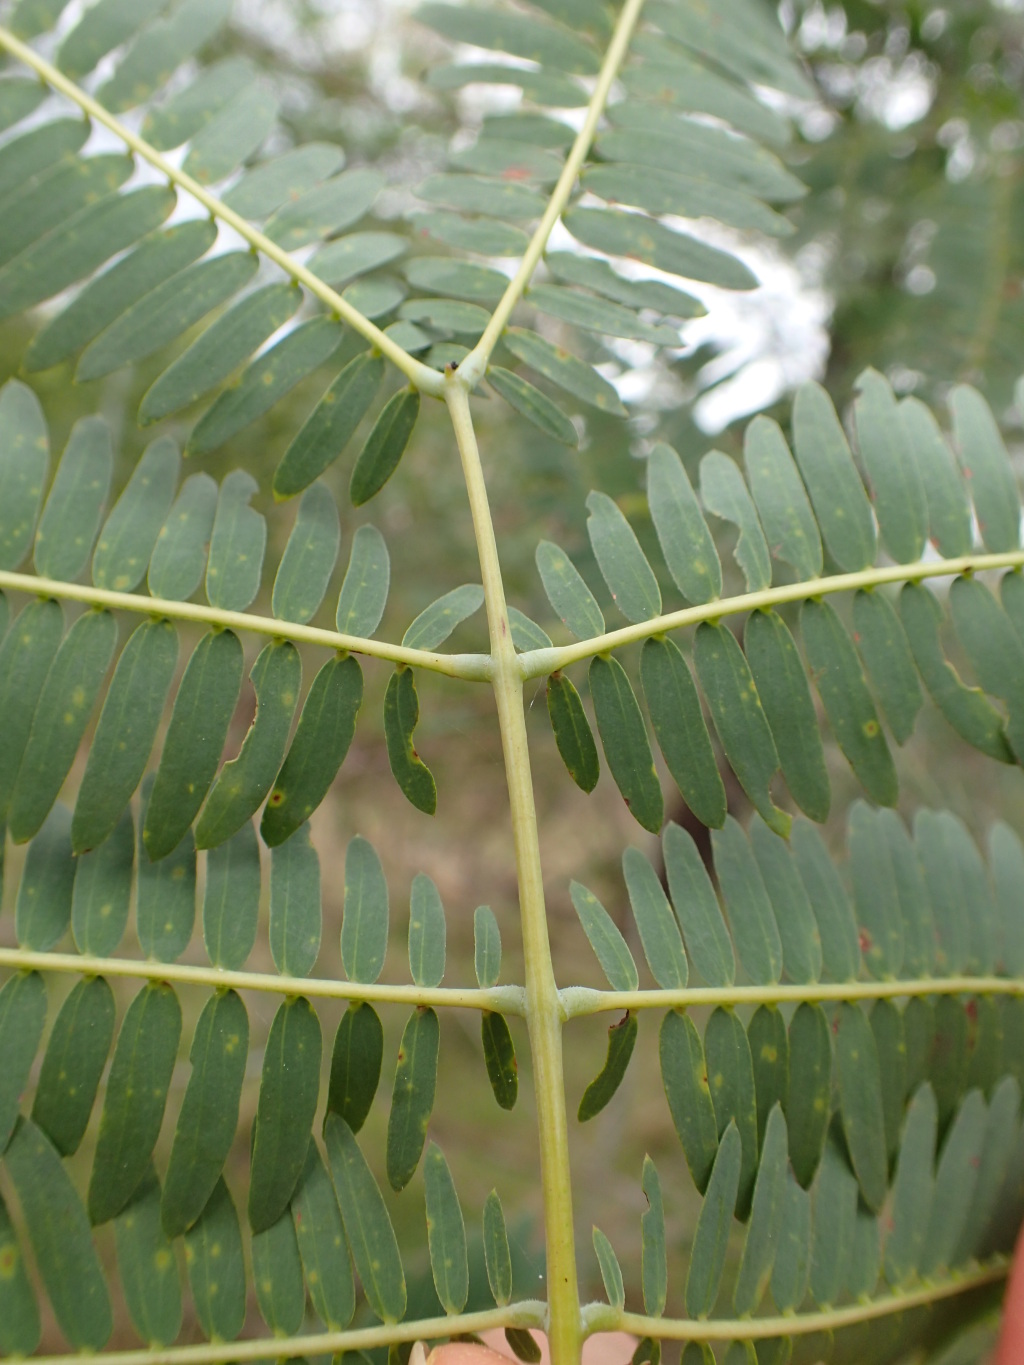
pixel 401 716
pixel 778 491
pixel 160 49
pixel 166 312
pixel 731 1080
pixel 621 1042
pixel 794 918
pixel 860 1101
pixel 216 1268
pixel 564 370
pixel 500 1058
pixel 364 590
pixel 125 732
pixel 223 346
pixel 697 909
pixel 296 918
pixel 965 708
pixel 573 735
pixel 933 832
pixel 912 1190
pixel 782 685
pixel 624 738
pixel 364 929
pixel 179 557
pixel 289 1089
pixel 20 97
pixel 769 1056
pixel 74 505
pixel 725 494
pixel 355 1064
pixel 683 533
pixel 604 937
pixel 24 461
pixel 843 690
pixel 865 1256
pixel 103 300
pixel 643 239
pixel 208 1115
pixel 76 1053
pixel 456 279
pixel 102 890
pixel 20 1328
pixel 324 210
pixel 486 947
pixel 412 1097
pixel 231 899
pixel 593 273
pixel 237 545
pixel 1006 858
pixel 76 248
pixel 835 1211
pixel 465 319
pixel 739 718
pixel 43 909
pixel 130 532
pixel 1001 1139
pixel 29 154
pixel 136 1095
pixel 323 1247
pixel 426 932
pixel 535 406
pixel 165 896
pixel 915 912
pixel 244 781
pixel 322 739
pixel 890 665
pixel 536 40
pixel 985 1045
pixel 611 1273
pixel 508 157
pixel 755 1268
pixel 148 1266
pixel 26 653
pixel 51 198
pixel 756 54
pixel 714 1225
pixel 949 511
pixel 572 600
pixel 810 1089
pixel 890 1041
pixel 277 1276
pixel 435 623
pixel 497 1258
pixel 195 739
pixel 894 478
pixel 659 932
pixel 840 503
pixel 654 1266
pixel 446 1233
pixel 993 647
pixel 986 465
pixel 185 113
pixel 955 1180
pixel 384 446
pixel 792 1267
pixel 623 564
pixel 65 705
pixel 598 315
pixel 948 1062
pixel 22 1017
pixel 367 1224
pixel 269 184
pixel 684 1074
pixel 101 29
pixel 875 893
pixel 232 135
pixel 557 92
pixel 309 557
pixel 357 254
pixel 751 917
pixel 61 1240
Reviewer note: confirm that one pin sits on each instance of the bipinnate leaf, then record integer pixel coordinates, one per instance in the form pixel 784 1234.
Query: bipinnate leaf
pixel 810 1089
pixel 330 426
pixel 891 1044
pixel 61 1239
pixel 1006 859
pixel 446 1232
pixel 401 716
pixel 627 748
pixel 42 911
pixel 412 1097
pixel 897 488
pixel 367 1224
pixel 875 893
pixel 778 491
pixel 565 370
pixel 384 446
pixel 994 648
pixel 165 897
pixel 837 494
pixel 611 1273
pixel 860 1101
pixel 621 1042
pixel 289 1089
pixel 497 1258
pixel 178 562
pixel 75 1056
pixel 355 1064
pixel 570 598
pixel 835 1212
pixel 24 463
pixel 231 899
pixel 364 590
pixel 683 533
pixel 684 1075
pixel 659 931
pixel 216 1267
pixel 885 650
pixel 426 932
pixel 956 1178
pixel 500 1058
pixel 309 557
pixel 535 406
pixel 986 464
pixel 323 1246
pixel 364 930
pixel 486 947
pixel 714 1224
pixel 237 545
pixel 697 909
pixel 680 729
pixel 604 937
pixel 751 917
pixel 765 1218
pixel 653 1260
pixel 74 504
pixel 623 565
pixel 20 1328
pixel 296 919
pixel 731 1082
pixel 277 1276
pixel 794 917
pixel 148 1266
pixel 573 735
pixel 102 890
pixel 792 1265
pixel 208 1115
pixel 22 1017
pixel 322 739
pixel 769 1056
pixel 26 653
pixel 724 493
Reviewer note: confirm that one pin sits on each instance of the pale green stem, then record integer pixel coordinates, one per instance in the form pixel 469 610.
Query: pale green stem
pixel 420 375
pixel 470 667
pixel 505 999
pixel 581 1000
pixel 474 366
pixel 538 663
pixel 529 1313
pixel 602 1318
pixel 543 1009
